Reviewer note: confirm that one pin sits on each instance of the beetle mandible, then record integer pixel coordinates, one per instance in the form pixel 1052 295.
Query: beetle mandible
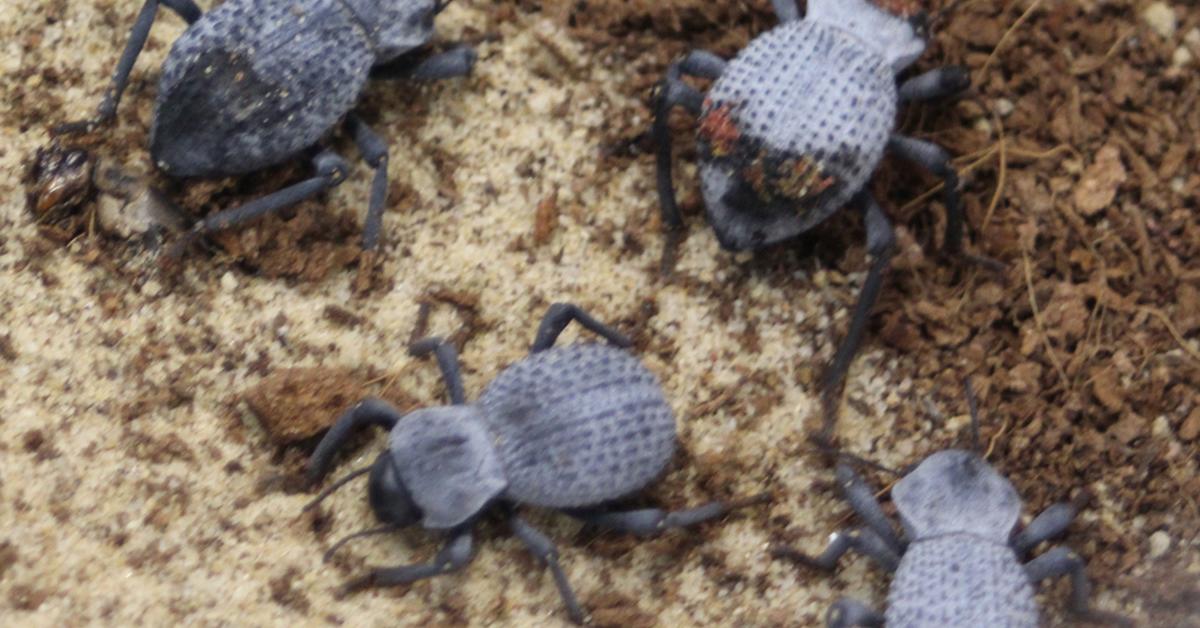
pixel 794 126
pixel 253 83
pixel 960 561
pixel 571 428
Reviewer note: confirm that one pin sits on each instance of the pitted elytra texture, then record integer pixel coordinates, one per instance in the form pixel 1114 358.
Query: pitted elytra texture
pixel 571 428
pixel 250 85
pixel 830 111
pixel 793 128
pixel 955 580
pixel 254 83
pixel 578 425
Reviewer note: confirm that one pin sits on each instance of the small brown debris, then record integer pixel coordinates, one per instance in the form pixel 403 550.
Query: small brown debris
pixel 295 404
pixel 23 597
pixel 1098 186
pixel 341 316
pixel 1190 428
pixel 546 220
pixel 8 349
pixel 285 594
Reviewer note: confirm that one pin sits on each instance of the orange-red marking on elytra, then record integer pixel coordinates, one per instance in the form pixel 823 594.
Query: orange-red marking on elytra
pixel 717 126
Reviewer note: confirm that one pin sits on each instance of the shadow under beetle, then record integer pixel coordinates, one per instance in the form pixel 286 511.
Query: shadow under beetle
pixel 960 560
pixel 253 83
pixel 794 126
pixel 570 428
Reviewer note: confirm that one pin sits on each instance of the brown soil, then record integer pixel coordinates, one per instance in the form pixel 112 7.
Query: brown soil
pixel 155 416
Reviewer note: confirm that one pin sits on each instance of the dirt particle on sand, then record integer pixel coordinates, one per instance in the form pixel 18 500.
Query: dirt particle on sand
pixel 24 597
pixel 8 350
pixel 545 220
pixel 285 594
pixel 8 557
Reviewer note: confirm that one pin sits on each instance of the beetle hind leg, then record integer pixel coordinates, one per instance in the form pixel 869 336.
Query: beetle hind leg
pixel 453 63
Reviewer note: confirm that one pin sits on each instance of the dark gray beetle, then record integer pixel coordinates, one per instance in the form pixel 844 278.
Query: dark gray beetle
pixel 959 561
pixel 795 125
pixel 570 428
pixel 254 83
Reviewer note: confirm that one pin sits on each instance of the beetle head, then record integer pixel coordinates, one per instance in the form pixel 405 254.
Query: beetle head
pixel 956 491
pixel 388 496
pixel 898 36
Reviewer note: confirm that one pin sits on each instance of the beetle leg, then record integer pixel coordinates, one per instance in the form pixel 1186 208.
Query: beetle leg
pixel 137 40
pixel 935 159
pixel 861 498
pixel 881 244
pixel 331 170
pixel 543 548
pixel 559 315
pixel 1047 525
pixel 942 82
pixel 862 540
pixel 455 555
pixel 447 359
pixel 369 411
pixel 847 612
pixel 674 92
pixel 786 10
pixel 651 521
pixel 375 152
pixel 452 63
pixel 1060 561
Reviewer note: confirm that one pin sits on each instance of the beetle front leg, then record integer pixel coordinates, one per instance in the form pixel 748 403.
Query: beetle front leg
pixel 447 358
pixel 369 411
pixel 673 92
pixel 862 500
pixel 862 540
pixel 456 554
pixel 881 245
pixel 847 612
pixel 1052 522
pixel 186 9
pixel 559 315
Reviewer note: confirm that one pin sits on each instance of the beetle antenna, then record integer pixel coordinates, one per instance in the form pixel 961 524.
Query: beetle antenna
pixel 333 487
pixel 441 6
pixel 361 533
pixel 974 408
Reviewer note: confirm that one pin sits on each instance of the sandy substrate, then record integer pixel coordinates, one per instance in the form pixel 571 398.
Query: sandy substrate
pixel 137 487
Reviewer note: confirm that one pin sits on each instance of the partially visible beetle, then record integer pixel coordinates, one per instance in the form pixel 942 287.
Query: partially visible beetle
pixel 570 428
pixel 793 128
pixel 254 83
pixel 959 561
